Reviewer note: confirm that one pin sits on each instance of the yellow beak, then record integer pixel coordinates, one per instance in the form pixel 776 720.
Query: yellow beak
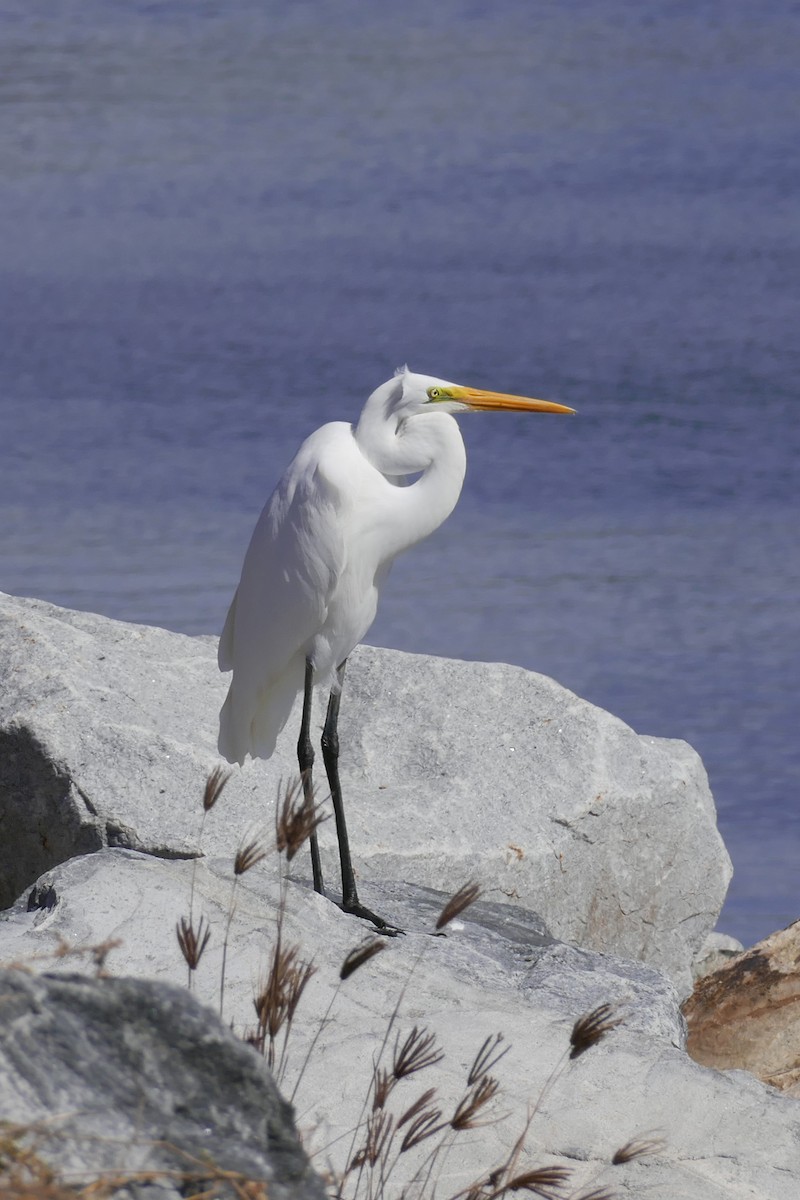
pixel 494 401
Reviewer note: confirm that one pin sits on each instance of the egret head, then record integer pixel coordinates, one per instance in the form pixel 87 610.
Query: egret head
pixel 425 393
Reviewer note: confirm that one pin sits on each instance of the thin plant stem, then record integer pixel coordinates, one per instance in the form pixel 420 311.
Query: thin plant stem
pixel 322 1024
pixel 194 865
pixel 228 923
pixel 375 1064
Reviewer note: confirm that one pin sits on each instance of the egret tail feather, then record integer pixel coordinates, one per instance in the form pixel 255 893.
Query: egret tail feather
pixel 250 723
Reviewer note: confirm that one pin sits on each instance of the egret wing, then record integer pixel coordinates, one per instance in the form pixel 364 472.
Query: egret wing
pixel 294 559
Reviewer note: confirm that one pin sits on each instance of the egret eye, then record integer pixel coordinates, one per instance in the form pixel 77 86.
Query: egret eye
pixel 434 393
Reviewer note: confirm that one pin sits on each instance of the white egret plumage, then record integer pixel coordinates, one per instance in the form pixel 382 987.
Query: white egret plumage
pixel 319 555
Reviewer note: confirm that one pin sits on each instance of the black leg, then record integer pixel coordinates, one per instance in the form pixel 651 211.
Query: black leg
pixel 330 755
pixel 305 758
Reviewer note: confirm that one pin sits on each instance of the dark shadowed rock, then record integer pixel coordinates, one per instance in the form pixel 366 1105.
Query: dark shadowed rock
pixel 133 1077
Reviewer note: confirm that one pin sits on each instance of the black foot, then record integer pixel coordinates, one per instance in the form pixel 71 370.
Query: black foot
pixel 360 910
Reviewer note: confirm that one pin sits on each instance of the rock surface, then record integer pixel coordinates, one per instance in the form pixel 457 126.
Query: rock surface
pixel 451 770
pixel 726 1136
pixel 747 1013
pixel 716 951
pixel 136 1079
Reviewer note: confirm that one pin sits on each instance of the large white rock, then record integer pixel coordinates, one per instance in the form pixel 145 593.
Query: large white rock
pixel 726 1136
pixel 451 770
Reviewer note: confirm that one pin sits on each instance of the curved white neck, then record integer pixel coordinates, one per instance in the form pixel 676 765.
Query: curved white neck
pixel 429 443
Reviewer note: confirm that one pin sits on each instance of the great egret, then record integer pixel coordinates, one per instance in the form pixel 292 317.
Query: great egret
pixel 319 555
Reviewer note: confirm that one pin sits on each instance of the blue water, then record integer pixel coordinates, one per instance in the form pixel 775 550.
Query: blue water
pixel 225 224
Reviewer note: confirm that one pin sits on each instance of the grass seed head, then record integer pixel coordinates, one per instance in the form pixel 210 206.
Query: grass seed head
pixel 215 784
pixel 424 1124
pixel 247 856
pixel 360 955
pixel 282 989
pixel 296 818
pixel 457 903
pixel 476 1099
pixel 417 1052
pixel 542 1181
pixel 383 1083
pixel 638 1147
pixel 592 1027
pixel 413 1110
pixel 487 1058
pixel 379 1132
pixel 192 941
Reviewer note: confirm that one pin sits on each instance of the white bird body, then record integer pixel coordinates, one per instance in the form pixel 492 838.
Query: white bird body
pixel 341 513
pixel 321 550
